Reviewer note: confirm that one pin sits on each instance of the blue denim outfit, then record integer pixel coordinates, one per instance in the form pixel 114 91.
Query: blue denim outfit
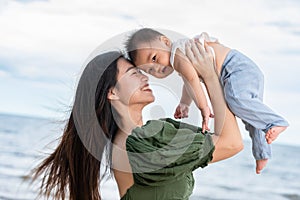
pixel 243 85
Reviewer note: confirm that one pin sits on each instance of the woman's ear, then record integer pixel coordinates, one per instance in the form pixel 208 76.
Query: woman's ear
pixel 111 95
pixel 165 40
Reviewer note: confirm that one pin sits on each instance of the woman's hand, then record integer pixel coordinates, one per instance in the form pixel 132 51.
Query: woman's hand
pixel 201 58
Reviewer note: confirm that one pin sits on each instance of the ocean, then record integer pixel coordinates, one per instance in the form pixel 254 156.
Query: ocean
pixel 24 141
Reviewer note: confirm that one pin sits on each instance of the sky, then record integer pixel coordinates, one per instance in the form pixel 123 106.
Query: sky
pixel 44 44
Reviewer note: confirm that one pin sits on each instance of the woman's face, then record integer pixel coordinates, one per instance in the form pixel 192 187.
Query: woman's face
pixel 132 86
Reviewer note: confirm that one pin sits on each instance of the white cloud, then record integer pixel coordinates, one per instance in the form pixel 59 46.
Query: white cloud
pixel 3 74
pixel 52 39
pixel 63 27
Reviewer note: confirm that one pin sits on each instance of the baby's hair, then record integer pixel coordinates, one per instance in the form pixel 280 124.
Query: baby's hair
pixel 143 35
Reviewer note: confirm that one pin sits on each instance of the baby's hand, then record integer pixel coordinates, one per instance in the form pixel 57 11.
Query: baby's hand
pixel 182 111
pixel 206 114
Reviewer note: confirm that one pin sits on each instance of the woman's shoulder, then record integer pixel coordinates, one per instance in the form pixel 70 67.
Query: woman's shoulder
pixel 162 134
pixel 150 128
pixel 161 129
pixel 157 125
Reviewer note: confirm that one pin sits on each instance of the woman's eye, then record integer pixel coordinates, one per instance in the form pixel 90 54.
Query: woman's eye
pixel 139 71
pixel 154 59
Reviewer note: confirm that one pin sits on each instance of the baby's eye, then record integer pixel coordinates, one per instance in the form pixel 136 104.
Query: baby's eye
pixel 154 59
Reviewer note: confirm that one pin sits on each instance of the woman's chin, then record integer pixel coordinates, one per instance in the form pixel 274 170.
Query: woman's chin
pixel 146 98
pixel 150 100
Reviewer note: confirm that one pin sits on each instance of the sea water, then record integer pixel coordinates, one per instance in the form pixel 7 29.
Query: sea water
pixel 25 141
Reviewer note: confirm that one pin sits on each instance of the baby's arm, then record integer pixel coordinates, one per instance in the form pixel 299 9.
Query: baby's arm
pixel 193 87
pixel 185 97
pixel 182 109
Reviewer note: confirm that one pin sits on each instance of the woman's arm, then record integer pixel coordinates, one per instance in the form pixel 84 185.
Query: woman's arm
pixel 227 138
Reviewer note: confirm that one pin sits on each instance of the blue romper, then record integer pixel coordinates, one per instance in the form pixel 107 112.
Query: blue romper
pixel 243 84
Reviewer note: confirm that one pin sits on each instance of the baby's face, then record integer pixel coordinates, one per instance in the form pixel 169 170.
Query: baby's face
pixel 154 59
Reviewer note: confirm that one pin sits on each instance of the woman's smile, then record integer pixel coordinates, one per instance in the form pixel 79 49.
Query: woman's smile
pixel 146 88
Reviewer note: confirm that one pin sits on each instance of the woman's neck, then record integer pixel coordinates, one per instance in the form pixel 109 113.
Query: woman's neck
pixel 130 118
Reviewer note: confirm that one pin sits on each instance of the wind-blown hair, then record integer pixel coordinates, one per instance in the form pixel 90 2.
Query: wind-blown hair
pixel 72 171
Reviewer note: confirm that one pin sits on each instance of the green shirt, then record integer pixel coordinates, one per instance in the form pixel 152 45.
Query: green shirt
pixel 163 154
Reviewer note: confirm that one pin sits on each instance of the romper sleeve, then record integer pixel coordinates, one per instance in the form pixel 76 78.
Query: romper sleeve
pixel 164 150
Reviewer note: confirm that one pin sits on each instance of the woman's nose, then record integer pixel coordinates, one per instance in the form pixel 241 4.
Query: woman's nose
pixel 145 77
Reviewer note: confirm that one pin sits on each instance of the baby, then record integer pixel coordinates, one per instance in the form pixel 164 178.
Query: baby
pixel 241 79
pixel 151 52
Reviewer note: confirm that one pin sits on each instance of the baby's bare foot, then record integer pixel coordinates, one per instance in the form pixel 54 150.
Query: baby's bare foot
pixel 260 164
pixel 273 133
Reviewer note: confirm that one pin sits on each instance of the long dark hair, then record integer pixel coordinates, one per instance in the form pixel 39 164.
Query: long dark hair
pixel 73 170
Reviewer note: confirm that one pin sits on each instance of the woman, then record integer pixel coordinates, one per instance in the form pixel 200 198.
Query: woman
pixel 114 92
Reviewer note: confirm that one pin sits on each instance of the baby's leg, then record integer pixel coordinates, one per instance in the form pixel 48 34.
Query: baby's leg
pixel 261 150
pixel 260 164
pixel 273 133
pixel 243 84
pixel 245 101
pixel 256 113
pixel 259 115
